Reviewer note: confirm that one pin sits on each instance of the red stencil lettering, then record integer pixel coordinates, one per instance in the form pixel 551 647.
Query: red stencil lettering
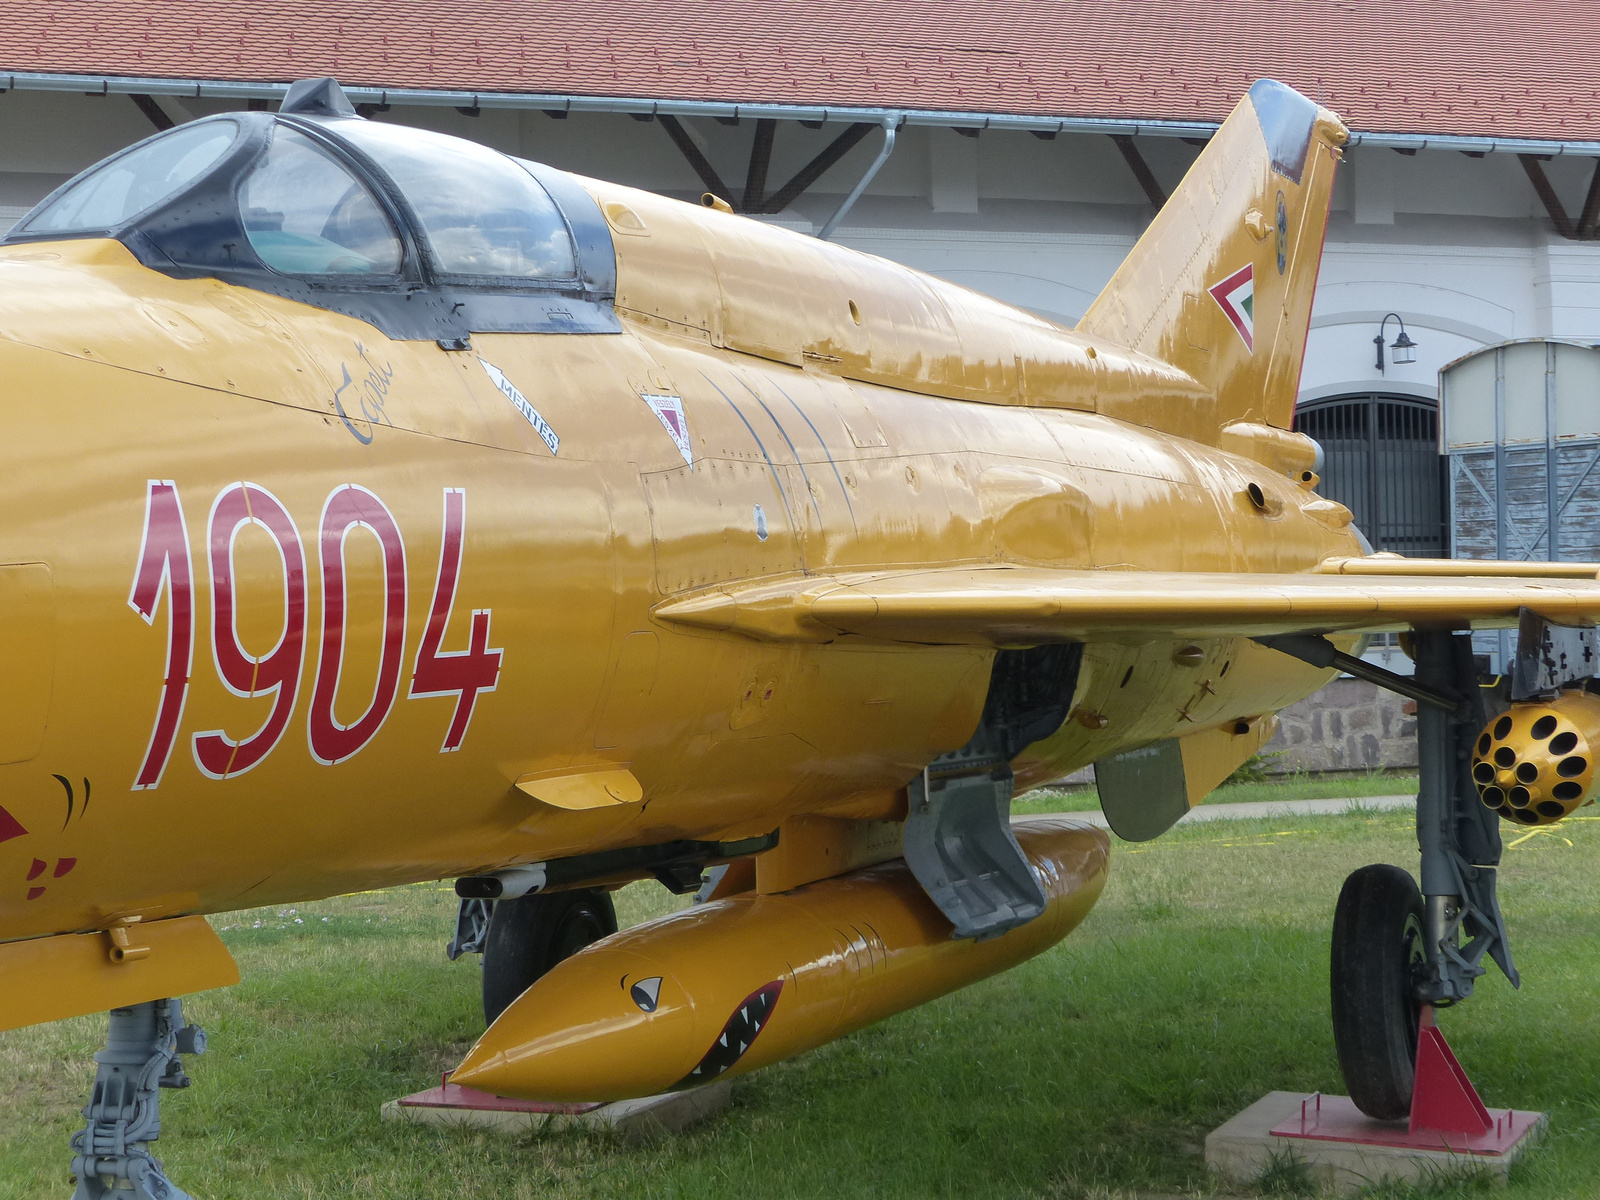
pixel 276 673
pixel 459 673
pixel 164 565
pixel 350 508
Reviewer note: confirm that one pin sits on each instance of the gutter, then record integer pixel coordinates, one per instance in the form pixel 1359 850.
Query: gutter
pixel 239 91
pixel 890 127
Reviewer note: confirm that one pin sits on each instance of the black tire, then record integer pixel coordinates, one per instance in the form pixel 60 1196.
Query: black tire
pixel 1378 948
pixel 529 935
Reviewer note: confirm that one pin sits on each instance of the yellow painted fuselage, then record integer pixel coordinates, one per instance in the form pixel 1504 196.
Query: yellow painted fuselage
pixel 304 449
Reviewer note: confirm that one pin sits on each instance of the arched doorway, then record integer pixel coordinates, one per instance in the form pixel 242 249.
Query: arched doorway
pixel 1382 462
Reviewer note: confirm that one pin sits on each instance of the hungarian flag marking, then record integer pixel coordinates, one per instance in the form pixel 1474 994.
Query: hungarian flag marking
pixel 1237 297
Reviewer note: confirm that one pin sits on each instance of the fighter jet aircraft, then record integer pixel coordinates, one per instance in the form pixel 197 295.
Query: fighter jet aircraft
pixel 381 508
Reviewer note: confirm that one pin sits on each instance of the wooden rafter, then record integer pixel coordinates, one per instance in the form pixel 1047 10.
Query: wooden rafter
pixel 152 110
pixel 814 170
pixel 1590 217
pixel 1140 168
pixel 1552 202
pixel 702 165
pixel 754 198
pixel 755 178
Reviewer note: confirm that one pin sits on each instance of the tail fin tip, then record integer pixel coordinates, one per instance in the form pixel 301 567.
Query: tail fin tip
pixel 1288 120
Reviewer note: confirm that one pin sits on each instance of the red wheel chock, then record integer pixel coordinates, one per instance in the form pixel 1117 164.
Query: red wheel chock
pixel 1443 1098
pixel 1446 1113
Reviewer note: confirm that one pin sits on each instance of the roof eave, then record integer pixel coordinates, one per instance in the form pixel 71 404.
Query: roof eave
pixel 224 89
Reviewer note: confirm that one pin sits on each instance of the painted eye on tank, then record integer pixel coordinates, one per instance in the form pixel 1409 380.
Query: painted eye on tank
pixel 647 993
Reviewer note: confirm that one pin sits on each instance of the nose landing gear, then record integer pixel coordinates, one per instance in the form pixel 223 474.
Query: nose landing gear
pixel 111 1154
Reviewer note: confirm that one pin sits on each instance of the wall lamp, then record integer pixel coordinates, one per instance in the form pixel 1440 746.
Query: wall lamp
pixel 1405 350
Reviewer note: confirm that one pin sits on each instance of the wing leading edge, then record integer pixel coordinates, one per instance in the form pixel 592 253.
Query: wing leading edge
pixel 1013 605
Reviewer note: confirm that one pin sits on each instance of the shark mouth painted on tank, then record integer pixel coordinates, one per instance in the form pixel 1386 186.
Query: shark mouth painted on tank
pixel 747 1021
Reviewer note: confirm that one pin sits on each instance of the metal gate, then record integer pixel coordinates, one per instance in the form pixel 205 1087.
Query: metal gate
pixel 1382 462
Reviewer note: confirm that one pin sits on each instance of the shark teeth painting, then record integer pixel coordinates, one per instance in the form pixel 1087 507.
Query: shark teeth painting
pixel 742 1027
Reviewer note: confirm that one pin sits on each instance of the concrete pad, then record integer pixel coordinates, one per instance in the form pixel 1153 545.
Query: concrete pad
pixel 638 1121
pixel 1244 1146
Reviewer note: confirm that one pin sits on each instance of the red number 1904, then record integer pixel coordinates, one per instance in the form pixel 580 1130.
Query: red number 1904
pixel 350 511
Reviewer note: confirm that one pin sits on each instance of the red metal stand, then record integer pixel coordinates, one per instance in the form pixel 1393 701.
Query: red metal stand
pixel 453 1095
pixel 1446 1113
pixel 1443 1098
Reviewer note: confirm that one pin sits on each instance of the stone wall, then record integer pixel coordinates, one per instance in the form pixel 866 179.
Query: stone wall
pixel 1350 725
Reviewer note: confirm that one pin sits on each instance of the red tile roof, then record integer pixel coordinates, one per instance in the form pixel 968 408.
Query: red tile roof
pixel 1501 68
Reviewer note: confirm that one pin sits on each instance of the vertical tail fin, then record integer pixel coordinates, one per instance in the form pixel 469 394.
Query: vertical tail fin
pixel 1220 285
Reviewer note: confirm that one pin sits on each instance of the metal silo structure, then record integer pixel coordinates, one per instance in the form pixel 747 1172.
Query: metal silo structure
pixel 1521 432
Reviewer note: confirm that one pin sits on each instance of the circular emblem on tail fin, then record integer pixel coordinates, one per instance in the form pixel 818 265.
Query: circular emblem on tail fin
pixel 1283 234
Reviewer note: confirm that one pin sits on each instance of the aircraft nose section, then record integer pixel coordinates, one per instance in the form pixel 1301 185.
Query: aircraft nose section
pixel 602 1025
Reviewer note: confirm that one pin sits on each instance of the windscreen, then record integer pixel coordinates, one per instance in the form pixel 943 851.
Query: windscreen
pixel 115 192
pixel 306 214
pixel 483 214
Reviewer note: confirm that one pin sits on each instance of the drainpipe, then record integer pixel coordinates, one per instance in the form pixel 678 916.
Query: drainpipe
pixel 890 124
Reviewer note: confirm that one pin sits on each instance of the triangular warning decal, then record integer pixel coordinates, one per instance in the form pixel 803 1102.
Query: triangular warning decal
pixel 669 411
pixel 1237 296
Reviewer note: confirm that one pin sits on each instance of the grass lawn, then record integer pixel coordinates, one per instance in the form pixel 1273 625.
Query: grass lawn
pixel 1197 985
pixel 1286 787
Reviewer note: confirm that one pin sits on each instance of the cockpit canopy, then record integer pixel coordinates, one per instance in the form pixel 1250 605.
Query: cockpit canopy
pixel 423 235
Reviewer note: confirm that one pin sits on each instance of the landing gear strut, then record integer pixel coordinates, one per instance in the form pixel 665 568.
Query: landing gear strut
pixel 111 1154
pixel 1397 947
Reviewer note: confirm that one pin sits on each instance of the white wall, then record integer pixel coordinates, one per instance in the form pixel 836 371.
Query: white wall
pixel 1459 247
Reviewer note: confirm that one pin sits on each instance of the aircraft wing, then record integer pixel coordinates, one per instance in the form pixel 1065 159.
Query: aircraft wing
pixel 1021 605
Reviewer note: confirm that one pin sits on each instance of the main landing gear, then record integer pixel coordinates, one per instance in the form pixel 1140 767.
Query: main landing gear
pixel 1398 948
pixel 531 934
pixel 111 1154
pixel 522 938
pixel 1379 954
